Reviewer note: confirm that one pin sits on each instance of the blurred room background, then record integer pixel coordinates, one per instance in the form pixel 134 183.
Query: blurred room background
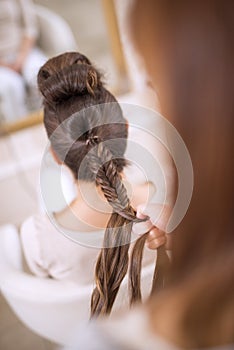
pixel 22 142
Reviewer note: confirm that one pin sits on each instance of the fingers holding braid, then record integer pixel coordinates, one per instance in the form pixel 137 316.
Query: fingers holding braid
pixel 156 238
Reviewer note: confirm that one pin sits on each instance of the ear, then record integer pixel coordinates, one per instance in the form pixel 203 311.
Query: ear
pixel 56 158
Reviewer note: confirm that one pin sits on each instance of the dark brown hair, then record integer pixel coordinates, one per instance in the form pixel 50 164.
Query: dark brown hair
pixel 188 47
pixel 71 84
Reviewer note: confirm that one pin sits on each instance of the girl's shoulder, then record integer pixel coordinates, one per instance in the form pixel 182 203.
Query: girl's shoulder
pixel 48 253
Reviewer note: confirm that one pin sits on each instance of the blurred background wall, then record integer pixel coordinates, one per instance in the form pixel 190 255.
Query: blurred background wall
pixel 21 152
pixel 88 23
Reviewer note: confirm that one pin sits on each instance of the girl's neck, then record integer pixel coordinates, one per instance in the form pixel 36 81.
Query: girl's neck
pixel 90 211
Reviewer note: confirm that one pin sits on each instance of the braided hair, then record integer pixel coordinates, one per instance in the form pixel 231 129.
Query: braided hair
pixel 69 84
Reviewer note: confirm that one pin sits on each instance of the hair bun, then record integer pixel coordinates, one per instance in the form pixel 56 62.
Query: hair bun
pixel 76 79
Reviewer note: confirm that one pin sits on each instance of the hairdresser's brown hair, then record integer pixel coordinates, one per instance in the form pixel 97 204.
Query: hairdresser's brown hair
pixel 188 47
pixel 70 84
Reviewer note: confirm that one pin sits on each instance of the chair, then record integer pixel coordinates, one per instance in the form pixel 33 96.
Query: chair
pixel 48 307
pixel 52 309
pixel 55 35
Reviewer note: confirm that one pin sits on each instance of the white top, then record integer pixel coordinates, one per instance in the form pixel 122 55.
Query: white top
pixel 49 254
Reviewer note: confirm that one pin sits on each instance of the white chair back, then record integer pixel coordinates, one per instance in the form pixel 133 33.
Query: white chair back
pixel 52 309
pixel 55 34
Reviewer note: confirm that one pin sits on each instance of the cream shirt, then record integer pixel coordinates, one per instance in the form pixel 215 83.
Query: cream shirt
pixel 50 254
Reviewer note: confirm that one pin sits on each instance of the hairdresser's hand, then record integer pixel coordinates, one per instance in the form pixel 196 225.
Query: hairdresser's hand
pixel 159 216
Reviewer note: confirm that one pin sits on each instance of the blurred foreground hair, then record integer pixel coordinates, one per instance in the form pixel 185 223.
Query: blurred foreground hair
pixel 188 47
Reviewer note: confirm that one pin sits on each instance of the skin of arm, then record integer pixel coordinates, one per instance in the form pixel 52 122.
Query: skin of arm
pixel 25 48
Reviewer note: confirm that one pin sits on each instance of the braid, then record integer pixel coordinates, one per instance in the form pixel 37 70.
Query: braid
pixel 112 263
pixel 107 176
pixel 111 267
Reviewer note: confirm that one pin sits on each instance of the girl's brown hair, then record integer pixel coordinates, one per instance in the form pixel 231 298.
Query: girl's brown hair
pixel 188 47
pixel 71 84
